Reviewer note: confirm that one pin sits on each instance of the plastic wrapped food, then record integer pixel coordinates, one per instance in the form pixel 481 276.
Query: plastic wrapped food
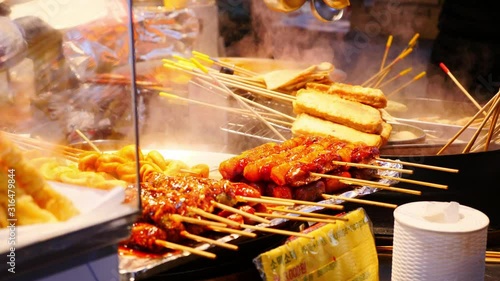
pixel 11 41
pixel 101 46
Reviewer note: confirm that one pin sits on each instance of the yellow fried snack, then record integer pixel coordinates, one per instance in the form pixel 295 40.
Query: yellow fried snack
pixel 175 167
pixel 156 157
pixel 201 170
pixel 23 183
pixel 87 161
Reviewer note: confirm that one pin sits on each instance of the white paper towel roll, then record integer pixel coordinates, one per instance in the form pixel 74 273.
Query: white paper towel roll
pixel 438 241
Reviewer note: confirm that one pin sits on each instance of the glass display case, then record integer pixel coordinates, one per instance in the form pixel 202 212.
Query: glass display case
pixel 63 201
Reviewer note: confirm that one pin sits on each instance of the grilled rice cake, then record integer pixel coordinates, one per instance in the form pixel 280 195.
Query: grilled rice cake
pixel 338 110
pixel 365 95
pixel 306 124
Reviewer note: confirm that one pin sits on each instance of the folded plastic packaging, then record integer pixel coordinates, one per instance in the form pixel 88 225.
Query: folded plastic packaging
pixel 103 45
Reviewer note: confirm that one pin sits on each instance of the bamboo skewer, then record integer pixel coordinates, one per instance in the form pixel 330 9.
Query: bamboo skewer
pixel 208 240
pixel 490 102
pixel 491 131
pixel 188 68
pixel 240 100
pixel 258 90
pixel 396 60
pixel 308 214
pixel 248 81
pixel 196 221
pixel 361 165
pixel 208 59
pixel 415 78
pixel 233 231
pixel 401 190
pixel 298 218
pixel 175 246
pixel 385 70
pixel 386 52
pixel 448 72
pixel 302 202
pixel 264 201
pixel 224 221
pixel 182 64
pixel 479 129
pixel 88 141
pixel 430 167
pixel 44 143
pixel 28 145
pixel 399 75
pixel 441 186
pixel 352 180
pixel 237 211
pixel 360 201
pixel 236 224
pixel 481 141
pixel 277 231
pixel 226 108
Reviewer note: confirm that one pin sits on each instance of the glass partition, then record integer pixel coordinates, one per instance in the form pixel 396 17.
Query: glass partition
pixel 69 117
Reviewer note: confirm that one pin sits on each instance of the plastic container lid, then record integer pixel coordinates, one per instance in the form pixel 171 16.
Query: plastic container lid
pixel 412 215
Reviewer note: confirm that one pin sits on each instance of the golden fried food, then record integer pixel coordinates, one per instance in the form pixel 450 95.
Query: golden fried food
pixel 338 110
pixel 23 183
pixel 309 125
pixel 369 96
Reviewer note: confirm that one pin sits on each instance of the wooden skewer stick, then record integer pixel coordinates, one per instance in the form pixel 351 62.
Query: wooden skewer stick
pixel 208 59
pixel 361 201
pixel 399 75
pixel 430 167
pixel 208 240
pixel 480 128
pixel 261 91
pixel 493 254
pixel 411 44
pixel 236 224
pixel 239 99
pixel 214 217
pixel 197 221
pixel 240 79
pixel 386 52
pixel 380 79
pixel 298 218
pixel 302 202
pixel 88 141
pixel 264 201
pixel 398 189
pixel 450 141
pixel 238 211
pixel 27 145
pixel 396 60
pixel 44 143
pixel 413 41
pixel 308 214
pixel 352 180
pixel 277 231
pixel 491 130
pixel 415 78
pixel 175 246
pixel 233 231
pixel 369 166
pixel 441 186
pixel 481 144
pixel 226 108
pixel 454 79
